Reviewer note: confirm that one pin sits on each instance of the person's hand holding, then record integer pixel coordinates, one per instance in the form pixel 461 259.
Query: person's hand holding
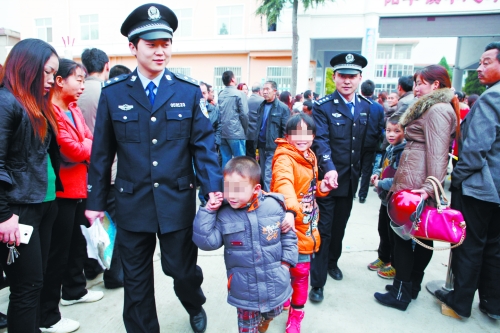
pixel 9 230
pixel 288 223
pixel 373 178
pixel 331 179
pixel 325 186
pixel 214 201
pixel 91 215
pixel 424 194
pixel 375 183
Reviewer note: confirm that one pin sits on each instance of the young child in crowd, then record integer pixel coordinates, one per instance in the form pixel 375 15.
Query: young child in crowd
pixel 257 253
pixel 295 173
pixel 382 180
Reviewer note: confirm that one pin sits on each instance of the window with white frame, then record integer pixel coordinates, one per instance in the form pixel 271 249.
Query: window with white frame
pixel 230 20
pixel 89 27
pixel 402 51
pixel 180 70
pixel 281 75
pixel 185 17
pixel 44 29
pixel 393 70
pixel 384 51
pixel 387 87
pixel 218 71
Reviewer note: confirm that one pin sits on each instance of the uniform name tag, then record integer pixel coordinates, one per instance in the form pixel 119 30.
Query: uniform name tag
pixel 177 105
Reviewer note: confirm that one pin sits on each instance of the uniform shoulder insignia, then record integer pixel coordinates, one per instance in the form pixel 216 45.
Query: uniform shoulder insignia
pixel 114 80
pixel 324 100
pixel 366 99
pixel 186 79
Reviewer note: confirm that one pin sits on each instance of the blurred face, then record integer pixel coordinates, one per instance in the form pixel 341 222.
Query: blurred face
pixel 347 84
pixel 423 87
pixel 488 71
pixel 152 56
pixel 238 190
pixel 72 87
pixel 49 71
pixel 245 89
pixel 301 138
pixel 394 133
pixel 204 91
pixel 268 92
pixel 211 94
pixel 392 99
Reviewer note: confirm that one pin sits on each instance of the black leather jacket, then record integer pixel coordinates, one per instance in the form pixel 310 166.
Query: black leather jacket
pixel 23 162
pixel 276 123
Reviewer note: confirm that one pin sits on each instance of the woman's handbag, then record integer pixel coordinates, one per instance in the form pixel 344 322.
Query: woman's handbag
pixel 439 223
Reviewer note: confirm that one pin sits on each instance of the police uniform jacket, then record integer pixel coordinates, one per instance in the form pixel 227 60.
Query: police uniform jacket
pixel 156 146
pixel 339 139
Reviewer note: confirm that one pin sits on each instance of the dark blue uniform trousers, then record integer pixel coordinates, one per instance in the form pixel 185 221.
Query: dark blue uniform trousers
pixel 178 260
pixel 333 215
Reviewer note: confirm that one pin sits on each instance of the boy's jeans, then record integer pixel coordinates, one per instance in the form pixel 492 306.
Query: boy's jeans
pixel 230 148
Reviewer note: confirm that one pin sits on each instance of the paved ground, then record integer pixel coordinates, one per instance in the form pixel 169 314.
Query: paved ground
pixel 349 305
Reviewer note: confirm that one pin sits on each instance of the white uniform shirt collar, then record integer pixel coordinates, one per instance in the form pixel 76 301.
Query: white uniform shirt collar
pixel 145 81
pixel 346 101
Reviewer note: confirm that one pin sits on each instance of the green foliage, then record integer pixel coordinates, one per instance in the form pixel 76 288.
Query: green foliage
pixel 272 8
pixel 329 83
pixel 472 84
pixel 443 62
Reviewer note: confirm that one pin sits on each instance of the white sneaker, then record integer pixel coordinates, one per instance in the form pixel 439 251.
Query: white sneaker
pixel 64 325
pixel 89 297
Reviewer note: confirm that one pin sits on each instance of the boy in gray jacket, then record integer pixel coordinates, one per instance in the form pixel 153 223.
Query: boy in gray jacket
pixel 257 253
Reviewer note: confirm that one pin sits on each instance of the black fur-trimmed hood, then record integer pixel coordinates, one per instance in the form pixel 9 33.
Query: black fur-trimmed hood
pixel 444 95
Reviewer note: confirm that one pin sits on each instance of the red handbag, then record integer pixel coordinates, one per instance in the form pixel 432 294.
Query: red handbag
pixel 439 223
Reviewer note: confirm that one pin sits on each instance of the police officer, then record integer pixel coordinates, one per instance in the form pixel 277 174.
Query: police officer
pixel 341 120
pixel 156 121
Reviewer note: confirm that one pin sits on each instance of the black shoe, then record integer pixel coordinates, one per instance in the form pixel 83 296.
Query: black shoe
pixel 3 320
pixel 335 273
pixel 414 292
pixel 441 296
pixel 398 297
pixel 199 322
pixel 316 294
pixel 362 199
pixel 483 310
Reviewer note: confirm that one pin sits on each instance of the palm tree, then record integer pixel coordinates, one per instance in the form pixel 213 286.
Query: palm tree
pixel 272 10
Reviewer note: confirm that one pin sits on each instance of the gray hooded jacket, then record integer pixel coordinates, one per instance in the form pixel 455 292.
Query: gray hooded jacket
pixel 254 249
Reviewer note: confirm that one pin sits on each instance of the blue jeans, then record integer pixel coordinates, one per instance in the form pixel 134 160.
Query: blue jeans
pixel 266 166
pixel 231 148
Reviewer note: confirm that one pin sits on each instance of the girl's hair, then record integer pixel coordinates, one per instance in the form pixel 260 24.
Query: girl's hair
pixel 23 76
pixel 472 99
pixel 68 67
pixel 285 98
pixel 298 97
pixel 438 73
pixel 240 86
pixel 294 122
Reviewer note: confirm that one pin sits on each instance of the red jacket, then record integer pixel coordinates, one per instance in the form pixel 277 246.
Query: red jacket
pixel 75 143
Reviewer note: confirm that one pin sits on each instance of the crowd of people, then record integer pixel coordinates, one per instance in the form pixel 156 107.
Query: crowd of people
pixel 276 177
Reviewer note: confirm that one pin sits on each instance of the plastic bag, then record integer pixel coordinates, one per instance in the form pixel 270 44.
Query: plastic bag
pixel 99 245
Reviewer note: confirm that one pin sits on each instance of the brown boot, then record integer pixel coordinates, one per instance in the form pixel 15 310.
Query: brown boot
pixel 264 324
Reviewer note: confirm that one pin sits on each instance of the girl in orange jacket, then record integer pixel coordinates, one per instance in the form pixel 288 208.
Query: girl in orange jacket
pixel 295 173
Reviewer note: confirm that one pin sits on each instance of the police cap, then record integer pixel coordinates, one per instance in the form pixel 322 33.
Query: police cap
pixel 348 63
pixel 150 21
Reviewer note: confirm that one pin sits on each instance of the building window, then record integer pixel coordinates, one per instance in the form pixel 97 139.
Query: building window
pixel 384 51
pixel 282 76
pixel 89 25
pixel 181 70
pixel 230 20
pixel 395 71
pixel 387 87
pixel 44 29
pixel 218 84
pixel 379 71
pixel 402 51
pixel 185 17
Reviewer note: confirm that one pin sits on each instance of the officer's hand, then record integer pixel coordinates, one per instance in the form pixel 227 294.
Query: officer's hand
pixel 325 186
pixel 288 223
pixel 331 178
pixel 91 215
pixel 9 230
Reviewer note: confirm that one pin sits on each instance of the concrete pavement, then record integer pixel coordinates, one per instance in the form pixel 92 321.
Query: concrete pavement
pixel 349 305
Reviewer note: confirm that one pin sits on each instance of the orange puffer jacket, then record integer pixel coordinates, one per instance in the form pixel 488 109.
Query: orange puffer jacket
pixel 293 176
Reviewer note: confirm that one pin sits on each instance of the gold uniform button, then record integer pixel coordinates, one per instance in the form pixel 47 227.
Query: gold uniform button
pixel 156 163
pixel 153 119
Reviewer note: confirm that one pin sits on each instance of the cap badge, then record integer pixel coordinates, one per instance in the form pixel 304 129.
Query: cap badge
pixel 349 58
pixel 154 13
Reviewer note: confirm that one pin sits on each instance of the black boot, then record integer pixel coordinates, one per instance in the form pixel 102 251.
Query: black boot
pixel 416 281
pixel 398 297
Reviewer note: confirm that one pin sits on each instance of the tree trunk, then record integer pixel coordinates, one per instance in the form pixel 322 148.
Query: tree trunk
pixel 295 48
